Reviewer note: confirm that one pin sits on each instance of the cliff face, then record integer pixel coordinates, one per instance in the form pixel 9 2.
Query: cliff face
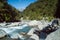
pixel 40 9
pixel 8 13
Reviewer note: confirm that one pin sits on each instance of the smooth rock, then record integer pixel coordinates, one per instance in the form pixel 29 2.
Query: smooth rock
pixel 54 36
pixel 2 33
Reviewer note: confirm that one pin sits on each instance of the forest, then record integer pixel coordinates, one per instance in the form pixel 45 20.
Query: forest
pixel 35 11
pixel 8 13
pixel 41 9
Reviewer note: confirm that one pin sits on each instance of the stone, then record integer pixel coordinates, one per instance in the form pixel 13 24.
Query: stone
pixel 2 33
pixel 54 36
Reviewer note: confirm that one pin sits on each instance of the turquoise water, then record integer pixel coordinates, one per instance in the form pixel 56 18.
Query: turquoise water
pixel 25 30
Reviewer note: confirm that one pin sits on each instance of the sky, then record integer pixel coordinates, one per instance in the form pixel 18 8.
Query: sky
pixel 20 4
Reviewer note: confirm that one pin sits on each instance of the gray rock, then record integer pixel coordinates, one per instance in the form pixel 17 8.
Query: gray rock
pixel 54 36
pixel 2 33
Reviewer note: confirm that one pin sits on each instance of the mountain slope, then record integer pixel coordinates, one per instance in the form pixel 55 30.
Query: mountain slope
pixel 40 9
pixel 7 12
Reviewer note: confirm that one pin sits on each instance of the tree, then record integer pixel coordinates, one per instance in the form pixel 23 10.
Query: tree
pixel 40 9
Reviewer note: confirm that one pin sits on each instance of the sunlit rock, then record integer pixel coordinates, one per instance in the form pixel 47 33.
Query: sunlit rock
pixel 24 36
pixel 2 33
pixel 14 24
pixel 33 36
pixel 14 36
pixel 2 24
pixel 43 24
pixel 54 36
pixel 33 23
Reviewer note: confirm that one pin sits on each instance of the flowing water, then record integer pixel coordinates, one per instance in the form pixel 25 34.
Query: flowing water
pixel 14 32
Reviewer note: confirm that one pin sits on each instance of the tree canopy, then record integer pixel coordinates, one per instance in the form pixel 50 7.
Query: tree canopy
pixel 8 13
pixel 40 9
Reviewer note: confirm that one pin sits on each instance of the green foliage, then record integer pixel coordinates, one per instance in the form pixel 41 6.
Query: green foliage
pixel 37 10
pixel 40 9
pixel 8 13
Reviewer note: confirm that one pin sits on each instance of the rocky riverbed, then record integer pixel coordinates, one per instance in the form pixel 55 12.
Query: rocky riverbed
pixel 31 30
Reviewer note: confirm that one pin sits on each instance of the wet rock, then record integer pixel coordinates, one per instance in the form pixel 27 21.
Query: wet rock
pixel 2 33
pixel 54 36
pixel 5 38
pixel 55 23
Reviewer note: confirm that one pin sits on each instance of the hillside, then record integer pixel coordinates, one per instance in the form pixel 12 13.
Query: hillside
pixel 8 13
pixel 40 9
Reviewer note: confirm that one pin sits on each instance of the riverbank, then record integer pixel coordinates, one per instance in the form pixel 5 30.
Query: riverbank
pixel 17 30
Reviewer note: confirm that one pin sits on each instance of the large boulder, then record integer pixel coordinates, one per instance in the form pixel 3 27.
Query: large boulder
pixel 2 33
pixel 54 36
pixel 33 23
